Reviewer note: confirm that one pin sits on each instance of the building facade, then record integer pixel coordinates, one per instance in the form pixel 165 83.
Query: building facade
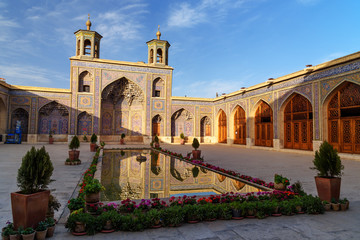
pixel 296 111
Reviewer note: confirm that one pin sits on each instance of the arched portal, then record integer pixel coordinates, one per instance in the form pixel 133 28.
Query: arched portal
pixel 156 126
pixel 21 115
pixel 182 122
pixel 84 126
pixel 239 126
pixel 264 125
pixel 344 118
pixel 222 130
pixel 298 123
pixel 54 118
pixel 205 128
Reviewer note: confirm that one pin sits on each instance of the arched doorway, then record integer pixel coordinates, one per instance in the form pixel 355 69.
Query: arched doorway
pixel 222 134
pixel 344 118
pixel 21 115
pixel 205 128
pixel 182 122
pixel 156 126
pixel 264 125
pixel 54 118
pixel 298 123
pixel 239 126
pixel 84 126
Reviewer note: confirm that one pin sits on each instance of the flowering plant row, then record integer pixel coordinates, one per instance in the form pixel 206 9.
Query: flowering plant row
pixel 216 168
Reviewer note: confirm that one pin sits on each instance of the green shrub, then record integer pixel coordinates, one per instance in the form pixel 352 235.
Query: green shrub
pixel 156 139
pixel 93 138
pixel 327 161
pixel 195 143
pixel 75 143
pixel 93 186
pixel 42 226
pixel 35 171
pixel 122 135
pixel 182 136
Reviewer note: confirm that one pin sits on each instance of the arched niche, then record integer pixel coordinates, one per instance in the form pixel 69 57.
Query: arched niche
pixel 85 82
pixel 158 88
pixel 343 118
pixel 298 122
pixel 84 126
pixel 157 125
pixel 264 125
pixel 54 118
pixel 205 128
pixel 21 115
pixel 182 122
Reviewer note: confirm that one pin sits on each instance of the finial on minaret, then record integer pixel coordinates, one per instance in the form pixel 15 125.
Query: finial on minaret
pixel 88 23
pixel 158 34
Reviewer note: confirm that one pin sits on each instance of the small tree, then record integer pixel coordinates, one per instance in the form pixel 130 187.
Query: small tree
pixel 93 138
pixel 122 135
pixel 195 144
pixel 182 136
pixel 156 139
pixel 75 143
pixel 35 171
pixel 327 161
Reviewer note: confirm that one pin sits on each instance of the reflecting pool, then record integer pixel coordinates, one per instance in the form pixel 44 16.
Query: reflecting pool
pixel 127 175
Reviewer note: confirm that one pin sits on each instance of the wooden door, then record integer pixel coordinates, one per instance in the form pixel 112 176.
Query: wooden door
pixel 156 129
pixel 222 131
pixel 239 126
pixel 264 125
pixel 298 123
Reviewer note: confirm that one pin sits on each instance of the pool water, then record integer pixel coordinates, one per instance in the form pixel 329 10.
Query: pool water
pixel 126 175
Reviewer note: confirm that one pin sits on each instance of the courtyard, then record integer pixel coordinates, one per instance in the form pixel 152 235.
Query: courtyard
pixel 257 162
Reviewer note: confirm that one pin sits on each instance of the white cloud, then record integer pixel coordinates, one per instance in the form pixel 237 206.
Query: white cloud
pixel 7 23
pixel 28 75
pixel 187 15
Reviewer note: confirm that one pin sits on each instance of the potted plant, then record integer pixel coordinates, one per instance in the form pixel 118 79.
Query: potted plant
pixel 14 235
pixel 327 205
pixel 51 139
pixel 209 211
pixel 193 213
pixel 52 206
pixel 9 228
pixel 79 223
pixel 51 227
pixel 29 205
pixel 182 138
pixel 41 230
pixel 93 141
pixel 156 141
pixel 224 211
pixel 196 153
pixel 155 217
pixel 280 182
pixel 236 208
pixel 335 205
pixel 73 153
pixel 106 221
pixel 328 164
pixel 28 234
pixel 92 191
pixel 122 141
pixel 75 204
pixel 173 216
pixel 102 145
pixel 342 204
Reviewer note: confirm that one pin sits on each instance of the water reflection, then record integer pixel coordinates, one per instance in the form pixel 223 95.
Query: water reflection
pixel 125 175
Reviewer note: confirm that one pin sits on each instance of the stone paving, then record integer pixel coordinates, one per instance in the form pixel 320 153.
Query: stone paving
pixel 254 162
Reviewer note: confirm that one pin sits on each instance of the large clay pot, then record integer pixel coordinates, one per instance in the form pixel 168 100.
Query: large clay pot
pixel 196 154
pixel 30 236
pixel 122 141
pixel 51 140
pixel 279 186
pixel 328 188
pixel 92 197
pixel 92 147
pixel 74 155
pixel 29 209
pixel 40 235
pixel 182 141
pixel 157 145
pixel 80 227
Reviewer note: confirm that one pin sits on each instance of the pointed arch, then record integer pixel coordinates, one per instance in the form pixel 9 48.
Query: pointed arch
pixel 53 117
pixel 264 125
pixel 20 114
pixel 158 87
pixel 182 122
pixel 298 122
pixel 205 128
pixel 157 125
pixel 343 117
pixel 159 55
pixel 84 126
pixel 87 47
pixel 222 127
pixel 85 82
pixel 239 125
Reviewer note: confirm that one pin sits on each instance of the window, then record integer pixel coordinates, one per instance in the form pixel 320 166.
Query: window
pixel 78 48
pixel 87 47
pixel 159 57
pixel 157 93
pixel 151 55
pixel 86 88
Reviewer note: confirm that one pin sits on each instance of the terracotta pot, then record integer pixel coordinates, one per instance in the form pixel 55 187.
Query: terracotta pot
pixel 122 141
pixel 28 210
pixel 347 204
pixel 182 141
pixel 157 145
pixel 343 206
pixel 335 206
pixel 5 238
pixel 327 207
pixel 74 155
pixel 328 188
pixel 196 154
pixel 108 225
pixel 15 237
pixel 80 227
pixel 51 140
pixel 236 213
pixel 92 197
pixel 298 209
pixel 28 236
pixel 40 235
pixel 92 147
pixel 279 186
pixel 50 231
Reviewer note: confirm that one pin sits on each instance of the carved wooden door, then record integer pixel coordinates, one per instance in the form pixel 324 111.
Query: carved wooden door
pixel 156 129
pixel 264 125
pixel 222 137
pixel 239 126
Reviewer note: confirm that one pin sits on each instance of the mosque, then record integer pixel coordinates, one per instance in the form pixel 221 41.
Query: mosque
pixel 106 97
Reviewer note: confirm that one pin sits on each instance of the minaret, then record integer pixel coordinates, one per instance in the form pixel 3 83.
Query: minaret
pixel 87 42
pixel 158 50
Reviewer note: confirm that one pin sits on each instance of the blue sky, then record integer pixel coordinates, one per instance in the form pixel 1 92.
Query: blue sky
pixel 216 45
